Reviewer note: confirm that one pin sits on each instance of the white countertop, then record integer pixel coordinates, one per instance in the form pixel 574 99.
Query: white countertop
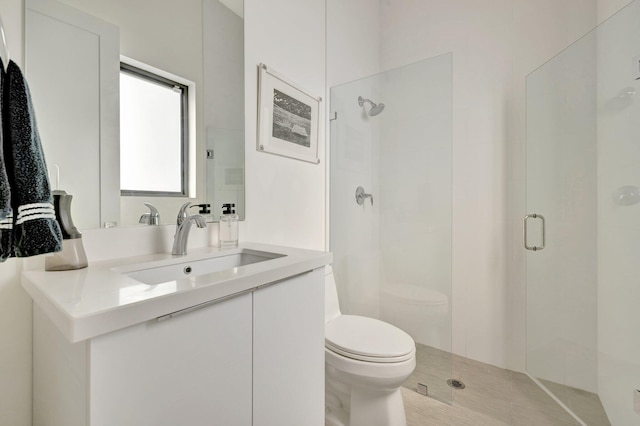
pixel 87 302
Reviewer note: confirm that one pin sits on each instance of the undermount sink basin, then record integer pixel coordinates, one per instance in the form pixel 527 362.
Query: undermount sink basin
pixel 159 273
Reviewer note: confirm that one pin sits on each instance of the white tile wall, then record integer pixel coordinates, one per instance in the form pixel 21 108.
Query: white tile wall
pixel 618 226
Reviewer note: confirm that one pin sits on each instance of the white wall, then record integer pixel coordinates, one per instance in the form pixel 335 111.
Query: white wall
pixel 607 8
pixel 495 44
pixel 15 305
pixel 353 156
pixel 415 196
pixel 285 197
pixel 618 229
pixel 355 229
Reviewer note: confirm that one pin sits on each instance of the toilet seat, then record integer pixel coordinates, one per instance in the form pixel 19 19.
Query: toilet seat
pixel 368 339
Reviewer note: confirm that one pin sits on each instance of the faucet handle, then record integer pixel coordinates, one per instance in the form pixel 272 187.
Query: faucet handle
pixel 151 218
pixel 182 214
pixel 154 210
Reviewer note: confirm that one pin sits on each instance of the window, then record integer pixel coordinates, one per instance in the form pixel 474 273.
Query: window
pixel 154 125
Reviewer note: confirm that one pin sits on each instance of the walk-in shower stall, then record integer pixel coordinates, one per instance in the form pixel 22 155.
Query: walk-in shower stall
pixel 391 216
pixel 391 202
pixel 583 223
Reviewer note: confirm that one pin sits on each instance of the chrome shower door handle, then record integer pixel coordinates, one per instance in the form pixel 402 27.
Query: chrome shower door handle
pixel 526 245
pixel 361 196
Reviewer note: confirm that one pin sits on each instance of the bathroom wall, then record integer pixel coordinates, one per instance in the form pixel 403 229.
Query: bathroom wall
pixel 415 197
pixel 285 198
pixel 355 229
pixel 15 305
pixel 606 8
pixel 358 54
pixel 495 44
pixel 618 229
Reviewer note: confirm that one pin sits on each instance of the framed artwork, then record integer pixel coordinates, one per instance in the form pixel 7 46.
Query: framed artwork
pixel 288 118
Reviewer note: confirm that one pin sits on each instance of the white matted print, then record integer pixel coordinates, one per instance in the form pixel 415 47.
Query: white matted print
pixel 288 118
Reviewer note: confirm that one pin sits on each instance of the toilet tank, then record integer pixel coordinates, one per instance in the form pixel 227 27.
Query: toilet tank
pixel 331 303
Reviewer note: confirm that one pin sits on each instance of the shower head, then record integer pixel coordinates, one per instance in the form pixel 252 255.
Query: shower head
pixel 375 108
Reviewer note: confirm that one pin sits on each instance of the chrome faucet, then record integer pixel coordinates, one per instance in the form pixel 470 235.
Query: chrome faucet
pixel 184 222
pixel 151 218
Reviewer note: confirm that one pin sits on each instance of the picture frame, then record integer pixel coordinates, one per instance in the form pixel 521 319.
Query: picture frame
pixel 288 118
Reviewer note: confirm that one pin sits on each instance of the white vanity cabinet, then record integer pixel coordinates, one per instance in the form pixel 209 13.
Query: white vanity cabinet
pixel 288 352
pixel 194 369
pixel 256 358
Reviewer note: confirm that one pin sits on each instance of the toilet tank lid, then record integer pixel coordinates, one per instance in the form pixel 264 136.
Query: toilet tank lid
pixel 415 295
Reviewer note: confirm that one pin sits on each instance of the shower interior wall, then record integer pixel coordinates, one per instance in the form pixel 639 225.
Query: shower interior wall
pixel 354 158
pixel 402 240
pixel 415 189
pixel 354 54
pixel 495 44
pixel 618 225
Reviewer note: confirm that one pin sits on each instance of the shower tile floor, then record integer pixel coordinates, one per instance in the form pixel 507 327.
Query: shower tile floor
pixel 492 397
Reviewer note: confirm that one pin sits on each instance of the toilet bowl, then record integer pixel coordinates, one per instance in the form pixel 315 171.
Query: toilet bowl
pixel 418 310
pixel 366 362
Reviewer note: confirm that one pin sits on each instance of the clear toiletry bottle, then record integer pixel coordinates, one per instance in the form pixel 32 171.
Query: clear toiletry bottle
pixel 72 255
pixel 228 233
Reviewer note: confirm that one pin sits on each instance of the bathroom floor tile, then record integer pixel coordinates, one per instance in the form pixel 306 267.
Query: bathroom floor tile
pixel 492 396
pixel 586 405
pixel 423 411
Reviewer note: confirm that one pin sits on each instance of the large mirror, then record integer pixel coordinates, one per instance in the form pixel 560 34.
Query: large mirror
pixel 74 50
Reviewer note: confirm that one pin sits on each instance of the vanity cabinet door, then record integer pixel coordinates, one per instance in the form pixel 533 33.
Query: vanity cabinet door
pixel 193 369
pixel 288 352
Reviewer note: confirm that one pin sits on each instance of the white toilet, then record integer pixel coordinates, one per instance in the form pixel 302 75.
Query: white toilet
pixel 366 362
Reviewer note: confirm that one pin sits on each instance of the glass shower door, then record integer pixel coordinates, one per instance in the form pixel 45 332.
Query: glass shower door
pixel 583 178
pixel 561 221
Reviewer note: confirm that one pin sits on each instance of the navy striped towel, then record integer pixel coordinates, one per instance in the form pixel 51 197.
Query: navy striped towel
pixel 35 229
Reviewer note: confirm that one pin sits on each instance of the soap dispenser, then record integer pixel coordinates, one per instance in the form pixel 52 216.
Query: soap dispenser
pixel 228 231
pixel 72 255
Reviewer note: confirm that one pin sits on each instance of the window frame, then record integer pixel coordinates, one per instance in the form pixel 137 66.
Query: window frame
pixel 150 76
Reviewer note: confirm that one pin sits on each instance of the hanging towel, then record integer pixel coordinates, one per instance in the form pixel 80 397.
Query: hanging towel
pixel 35 229
pixel 6 213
